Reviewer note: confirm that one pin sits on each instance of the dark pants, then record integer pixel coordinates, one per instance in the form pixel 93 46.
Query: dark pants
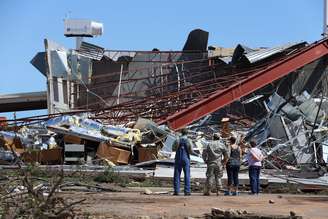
pixel 254 178
pixel 232 173
pixel 182 162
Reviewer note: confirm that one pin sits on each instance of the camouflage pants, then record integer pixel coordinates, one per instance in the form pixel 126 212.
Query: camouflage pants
pixel 213 171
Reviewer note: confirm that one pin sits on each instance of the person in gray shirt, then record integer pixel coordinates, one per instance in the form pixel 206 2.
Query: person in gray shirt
pixel 215 154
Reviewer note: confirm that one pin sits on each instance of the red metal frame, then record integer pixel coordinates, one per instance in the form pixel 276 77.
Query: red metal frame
pixel 240 89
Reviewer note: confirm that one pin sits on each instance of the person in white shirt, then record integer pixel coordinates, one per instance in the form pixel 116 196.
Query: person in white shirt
pixel 254 158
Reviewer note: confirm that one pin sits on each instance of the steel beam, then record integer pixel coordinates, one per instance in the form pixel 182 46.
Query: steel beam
pixel 23 101
pixel 244 87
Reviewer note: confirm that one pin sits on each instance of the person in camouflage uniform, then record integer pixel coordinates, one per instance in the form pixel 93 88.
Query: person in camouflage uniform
pixel 213 153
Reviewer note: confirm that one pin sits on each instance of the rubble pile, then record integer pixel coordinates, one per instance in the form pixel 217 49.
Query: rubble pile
pixel 292 133
pixel 78 139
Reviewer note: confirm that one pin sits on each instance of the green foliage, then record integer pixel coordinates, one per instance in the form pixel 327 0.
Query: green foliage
pixel 36 171
pixel 148 182
pixel 109 176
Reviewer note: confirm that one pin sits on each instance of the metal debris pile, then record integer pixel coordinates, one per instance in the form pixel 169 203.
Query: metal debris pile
pixel 294 132
pixel 291 134
pixel 78 139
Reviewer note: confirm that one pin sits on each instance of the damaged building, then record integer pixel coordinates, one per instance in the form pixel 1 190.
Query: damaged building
pixel 125 107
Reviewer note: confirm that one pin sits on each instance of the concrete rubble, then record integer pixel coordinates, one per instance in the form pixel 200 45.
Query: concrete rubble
pixel 243 214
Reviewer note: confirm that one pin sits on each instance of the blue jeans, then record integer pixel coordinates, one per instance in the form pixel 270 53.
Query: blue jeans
pixel 182 162
pixel 232 173
pixel 254 178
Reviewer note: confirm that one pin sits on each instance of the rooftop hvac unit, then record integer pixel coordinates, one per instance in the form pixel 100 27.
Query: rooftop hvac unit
pixel 82 28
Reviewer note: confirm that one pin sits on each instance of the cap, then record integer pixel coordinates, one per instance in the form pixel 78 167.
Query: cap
pixel 225 119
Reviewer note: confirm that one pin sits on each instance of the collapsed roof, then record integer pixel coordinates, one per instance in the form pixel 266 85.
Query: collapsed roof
pixel 180 87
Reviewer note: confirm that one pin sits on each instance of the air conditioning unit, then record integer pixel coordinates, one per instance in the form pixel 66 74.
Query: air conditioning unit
pixel 82 28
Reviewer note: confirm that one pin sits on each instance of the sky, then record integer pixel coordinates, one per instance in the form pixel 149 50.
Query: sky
pixel 144 25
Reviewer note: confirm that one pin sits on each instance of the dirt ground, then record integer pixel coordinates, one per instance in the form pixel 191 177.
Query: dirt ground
pixel 137 205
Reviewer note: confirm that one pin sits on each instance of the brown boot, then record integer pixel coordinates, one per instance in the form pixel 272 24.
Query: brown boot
pixel 206 194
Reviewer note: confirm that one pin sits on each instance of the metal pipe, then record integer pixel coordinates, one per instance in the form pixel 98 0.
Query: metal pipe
pixel 314 125
pixel 178 75
pixel 119 86
pixel 79 41
pixel 325 18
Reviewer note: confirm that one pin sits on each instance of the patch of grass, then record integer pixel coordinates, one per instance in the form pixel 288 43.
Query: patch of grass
pixel 148 182
pixel 10 173
pixel 109 176
pixel 282 188
pixel 36 171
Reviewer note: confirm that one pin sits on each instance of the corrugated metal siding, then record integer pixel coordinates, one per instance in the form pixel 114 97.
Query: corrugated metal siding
pixel 265 53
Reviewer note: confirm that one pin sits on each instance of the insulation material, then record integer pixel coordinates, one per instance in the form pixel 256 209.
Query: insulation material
pixel 114 130
pixel 90 124
pixel 63 121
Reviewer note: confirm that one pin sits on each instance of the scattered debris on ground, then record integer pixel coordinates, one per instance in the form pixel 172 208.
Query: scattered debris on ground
pixel 243 214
